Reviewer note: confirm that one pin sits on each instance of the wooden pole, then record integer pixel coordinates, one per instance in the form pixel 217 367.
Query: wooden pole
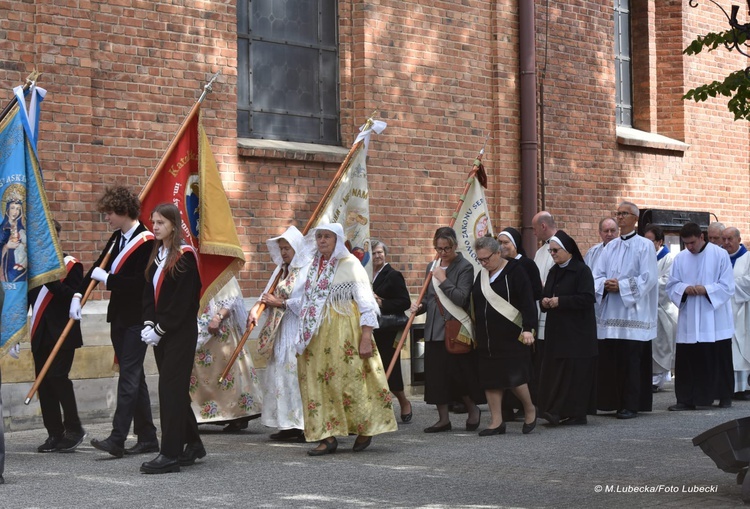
pixel 31 78
pixel 193 111
pixel 260 306
pixel 423 291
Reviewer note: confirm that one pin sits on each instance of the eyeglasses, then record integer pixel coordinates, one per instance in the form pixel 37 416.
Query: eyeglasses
pixel 553 250
pixel 623 214
pixel 486 259
pixel 444 249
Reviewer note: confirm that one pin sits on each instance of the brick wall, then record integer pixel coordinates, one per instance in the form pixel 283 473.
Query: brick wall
pixel 122 75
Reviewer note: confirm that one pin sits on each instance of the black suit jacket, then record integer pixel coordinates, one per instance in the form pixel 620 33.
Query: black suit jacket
pixel 391 287
pixel 126 287
pixel 55 316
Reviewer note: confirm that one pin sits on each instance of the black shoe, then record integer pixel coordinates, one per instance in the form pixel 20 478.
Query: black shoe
pixel 626 414
pixel 725 403
pixel 552 419
pixel 70 441
pixel 49 445
pixel 488 432
pixel 2 480
pixel 287 434
pixel 528 428
pixel 236 426
pixel 160 465
pixel 438 429
pixel 407 417
pixel 330 447
pixel 193 451
pixel 109 446
pixel 574 421
pixel 474 426
pixel 143 448
pixel 679 407
pixel 361 446
pixel 654 389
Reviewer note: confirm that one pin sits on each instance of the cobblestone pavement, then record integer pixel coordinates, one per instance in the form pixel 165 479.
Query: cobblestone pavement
pixel 647 461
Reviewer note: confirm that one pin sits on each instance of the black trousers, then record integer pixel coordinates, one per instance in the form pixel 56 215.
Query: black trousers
pixel 384 339
pixel 133 402
pixel 174 358
pixel 624 375
pixel 704 372
pixel 56 392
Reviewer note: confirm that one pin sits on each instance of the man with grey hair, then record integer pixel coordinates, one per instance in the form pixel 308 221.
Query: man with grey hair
pixel 713 234
pixel 625 281
pixel 732 243
pixel 607 232
pixel 544 229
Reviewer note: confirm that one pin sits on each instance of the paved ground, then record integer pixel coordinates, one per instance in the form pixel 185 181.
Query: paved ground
pixel 559 467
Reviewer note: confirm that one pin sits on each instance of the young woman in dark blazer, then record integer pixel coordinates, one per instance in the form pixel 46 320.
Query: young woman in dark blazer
pixel 171 301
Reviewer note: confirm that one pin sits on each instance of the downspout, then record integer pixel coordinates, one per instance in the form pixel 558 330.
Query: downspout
pixel 527 57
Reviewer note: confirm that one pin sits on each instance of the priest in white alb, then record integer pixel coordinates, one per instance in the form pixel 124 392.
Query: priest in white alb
pixel 625 281
pixel 732 242
pixel 701 285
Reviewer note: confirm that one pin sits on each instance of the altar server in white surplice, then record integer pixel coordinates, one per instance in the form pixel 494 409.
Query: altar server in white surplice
pixel 625 281
pixel 662 348
pixel 732 242
pixel 701 285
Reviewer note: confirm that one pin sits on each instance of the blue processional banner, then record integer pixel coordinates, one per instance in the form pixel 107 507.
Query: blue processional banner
pixel 30 253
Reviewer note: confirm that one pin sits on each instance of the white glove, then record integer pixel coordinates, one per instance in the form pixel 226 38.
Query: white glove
pixel 149 336
pixel 15 351
pixel 75 308
pixel 100 275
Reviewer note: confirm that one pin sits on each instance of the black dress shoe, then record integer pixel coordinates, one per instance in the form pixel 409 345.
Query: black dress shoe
pixel 552 419
pixel 143 448
pixel 49 445
pixel 109 446
pixel 330 447
pixel 725 403
pixel 574 421
pixel 193 451
pixel 287 434
pixel 70 441
pixel 407 417
pixel 679 407
pixel 438 429
pixel 236 426
pixel 500 430
pixel 474 426
pixel 161 465
pixel 361 446
pixel 528 428
pixel 626 414
pixel 2 480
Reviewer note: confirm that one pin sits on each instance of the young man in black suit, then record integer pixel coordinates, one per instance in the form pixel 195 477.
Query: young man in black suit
pixel 124 276
pixel 49 317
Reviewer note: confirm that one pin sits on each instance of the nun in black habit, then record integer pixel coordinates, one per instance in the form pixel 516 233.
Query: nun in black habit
pixel 567 388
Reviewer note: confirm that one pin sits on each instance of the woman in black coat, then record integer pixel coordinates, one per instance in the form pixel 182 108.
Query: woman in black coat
pixel 171 299
pixel 567 390
pixel 392 296
pixel 505 317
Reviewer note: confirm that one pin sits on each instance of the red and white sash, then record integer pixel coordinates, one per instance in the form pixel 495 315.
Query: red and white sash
pixel 133 244
pixel 159 274
pixel 45 297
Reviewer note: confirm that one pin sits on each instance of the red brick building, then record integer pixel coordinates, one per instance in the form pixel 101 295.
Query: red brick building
pixel 121 76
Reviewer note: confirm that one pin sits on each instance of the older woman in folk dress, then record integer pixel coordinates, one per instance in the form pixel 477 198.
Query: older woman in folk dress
pixel 341 377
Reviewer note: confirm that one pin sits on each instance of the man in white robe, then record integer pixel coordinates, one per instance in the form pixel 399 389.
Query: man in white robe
pixel 732 242
pixel 701 284
pixel 625 281
pixel 662 348
pixel 607 232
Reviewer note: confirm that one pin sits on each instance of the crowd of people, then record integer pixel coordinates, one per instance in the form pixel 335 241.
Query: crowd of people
pixel 559 337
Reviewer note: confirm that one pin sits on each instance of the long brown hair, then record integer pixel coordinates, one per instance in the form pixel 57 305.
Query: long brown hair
pixel 173 243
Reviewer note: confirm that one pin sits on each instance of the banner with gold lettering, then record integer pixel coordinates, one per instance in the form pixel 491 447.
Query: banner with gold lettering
pixel 190 179
pixel 473 220
pixel 349 203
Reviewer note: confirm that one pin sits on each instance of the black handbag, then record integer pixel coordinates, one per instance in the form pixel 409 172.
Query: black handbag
pixel 392 322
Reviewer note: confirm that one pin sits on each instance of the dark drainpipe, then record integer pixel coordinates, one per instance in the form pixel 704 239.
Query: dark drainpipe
pixel 527 57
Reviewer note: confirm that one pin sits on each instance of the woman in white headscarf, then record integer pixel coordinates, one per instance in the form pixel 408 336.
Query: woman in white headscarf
pixel 277 342
pixel 341 376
